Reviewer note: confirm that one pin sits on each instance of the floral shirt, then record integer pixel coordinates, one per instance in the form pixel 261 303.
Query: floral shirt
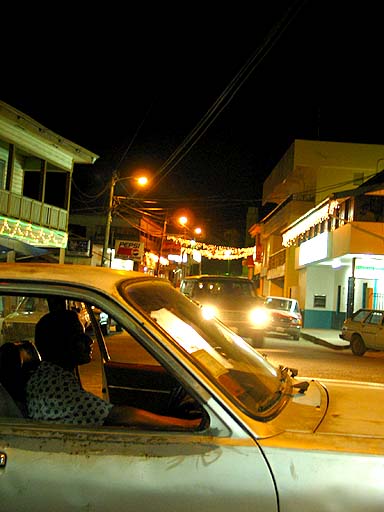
pixel 55 394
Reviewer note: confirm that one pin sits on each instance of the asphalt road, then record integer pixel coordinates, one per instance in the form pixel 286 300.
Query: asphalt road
pixel 317 361
pixel 311 360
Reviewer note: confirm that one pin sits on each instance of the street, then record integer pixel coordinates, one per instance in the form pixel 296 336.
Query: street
pixel 317 361
pixel 310 359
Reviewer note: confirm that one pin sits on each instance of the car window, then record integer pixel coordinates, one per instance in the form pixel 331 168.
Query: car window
pixel 278 303
pixel 219 288
pixel 375 318
pixel 120 371
pixel 360 315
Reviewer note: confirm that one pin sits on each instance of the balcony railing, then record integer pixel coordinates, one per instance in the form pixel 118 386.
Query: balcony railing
pixel 29 210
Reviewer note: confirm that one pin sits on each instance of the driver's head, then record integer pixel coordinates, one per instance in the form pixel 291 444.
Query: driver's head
pixel 60 339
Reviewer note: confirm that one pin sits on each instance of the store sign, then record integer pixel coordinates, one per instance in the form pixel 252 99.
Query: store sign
pixel 129 250
pixel 369 268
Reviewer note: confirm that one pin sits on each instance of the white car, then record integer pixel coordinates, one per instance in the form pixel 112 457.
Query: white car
pixel 266 440
pixel 285 316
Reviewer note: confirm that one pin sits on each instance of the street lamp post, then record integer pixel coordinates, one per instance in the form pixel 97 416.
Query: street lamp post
pixel 142 181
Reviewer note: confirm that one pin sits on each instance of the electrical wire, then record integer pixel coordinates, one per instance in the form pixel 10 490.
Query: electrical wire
pixel 229 92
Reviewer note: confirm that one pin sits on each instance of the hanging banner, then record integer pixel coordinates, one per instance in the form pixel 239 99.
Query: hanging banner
pixel 129 250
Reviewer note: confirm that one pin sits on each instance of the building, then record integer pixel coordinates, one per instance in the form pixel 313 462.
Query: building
pixel 36 167
pixel 338 253
pixel 307 181
pixel 136 236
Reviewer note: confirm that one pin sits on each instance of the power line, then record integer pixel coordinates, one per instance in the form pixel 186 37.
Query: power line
pixel 229 92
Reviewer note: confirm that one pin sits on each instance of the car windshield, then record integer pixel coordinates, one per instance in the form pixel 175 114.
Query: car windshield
pixel 277 303
pixel 219 288
pixel 242 373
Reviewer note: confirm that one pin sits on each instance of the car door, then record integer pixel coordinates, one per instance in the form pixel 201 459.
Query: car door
pixel 372 329
pixel 46 468
pixel 66 468
pixel 378 342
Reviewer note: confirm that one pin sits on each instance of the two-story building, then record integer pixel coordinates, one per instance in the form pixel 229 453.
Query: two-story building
pixel 308 174
pixel 36 167
pixel 337 251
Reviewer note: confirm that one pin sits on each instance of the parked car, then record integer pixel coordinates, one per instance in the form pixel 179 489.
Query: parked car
pixel 20 324
pixel 266 439
pixel 364 330
pixel 285 316
pixel 234 300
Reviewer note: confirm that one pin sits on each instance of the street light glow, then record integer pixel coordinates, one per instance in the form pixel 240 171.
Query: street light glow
pixel 142 181
pixel 183 220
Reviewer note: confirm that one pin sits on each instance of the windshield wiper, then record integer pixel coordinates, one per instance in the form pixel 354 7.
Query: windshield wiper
pixel 292 372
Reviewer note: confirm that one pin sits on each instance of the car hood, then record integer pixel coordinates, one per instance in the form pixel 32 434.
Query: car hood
pixel 282 313
pixel 354 409
pixel 348 418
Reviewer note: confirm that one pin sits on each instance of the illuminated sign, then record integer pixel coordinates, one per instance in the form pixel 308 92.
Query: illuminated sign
pixel 129 250
pixel 369 268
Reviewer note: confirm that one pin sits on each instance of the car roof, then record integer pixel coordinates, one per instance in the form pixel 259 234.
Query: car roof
pixel 103 279
pixel 207 277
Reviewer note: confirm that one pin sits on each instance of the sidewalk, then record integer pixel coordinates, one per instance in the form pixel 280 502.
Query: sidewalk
pixel 326 337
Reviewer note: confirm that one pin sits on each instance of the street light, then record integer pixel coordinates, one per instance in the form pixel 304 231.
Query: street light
pixel 141 181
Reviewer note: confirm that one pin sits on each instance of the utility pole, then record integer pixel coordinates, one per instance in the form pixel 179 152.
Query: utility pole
pixel 109 218
pixel 163 235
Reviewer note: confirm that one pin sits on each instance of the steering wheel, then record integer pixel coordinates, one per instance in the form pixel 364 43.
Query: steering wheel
pixel 182 405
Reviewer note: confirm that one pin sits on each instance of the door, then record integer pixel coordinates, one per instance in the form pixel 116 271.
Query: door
pixel 47 467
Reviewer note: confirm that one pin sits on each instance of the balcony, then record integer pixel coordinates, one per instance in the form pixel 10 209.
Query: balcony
pixel 29 210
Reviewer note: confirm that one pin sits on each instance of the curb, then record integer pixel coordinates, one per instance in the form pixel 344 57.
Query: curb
pixel 324 343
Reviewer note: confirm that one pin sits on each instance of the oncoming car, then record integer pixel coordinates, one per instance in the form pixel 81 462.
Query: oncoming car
pixel 263 438
pixel 364 330
pixel 233 300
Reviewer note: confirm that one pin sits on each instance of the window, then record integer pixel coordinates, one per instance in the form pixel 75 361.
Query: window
pixel 375 318
pixel 319 301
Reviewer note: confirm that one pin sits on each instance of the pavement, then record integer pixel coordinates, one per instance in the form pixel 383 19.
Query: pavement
pixel 326 337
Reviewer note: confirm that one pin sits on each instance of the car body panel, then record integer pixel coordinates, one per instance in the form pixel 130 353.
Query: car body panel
pixel 322 451
pixel 134 471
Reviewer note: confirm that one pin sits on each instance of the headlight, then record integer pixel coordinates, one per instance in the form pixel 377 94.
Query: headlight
pixel 295 321
pixel 209 312
pixel 259 317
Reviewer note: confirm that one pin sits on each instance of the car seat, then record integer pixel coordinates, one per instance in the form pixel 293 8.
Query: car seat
pixel 17 362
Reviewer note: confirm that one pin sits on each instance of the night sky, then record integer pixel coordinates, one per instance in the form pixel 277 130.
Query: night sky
pixel 132 86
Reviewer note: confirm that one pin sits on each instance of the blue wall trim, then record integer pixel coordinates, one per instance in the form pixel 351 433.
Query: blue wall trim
pixel 316 319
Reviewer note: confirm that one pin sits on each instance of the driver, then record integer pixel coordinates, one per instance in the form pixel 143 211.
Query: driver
pixel 54 392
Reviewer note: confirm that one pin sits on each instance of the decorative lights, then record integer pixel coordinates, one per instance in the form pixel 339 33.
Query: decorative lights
pixel 306 222
pixel 32 234
pixel 210 251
